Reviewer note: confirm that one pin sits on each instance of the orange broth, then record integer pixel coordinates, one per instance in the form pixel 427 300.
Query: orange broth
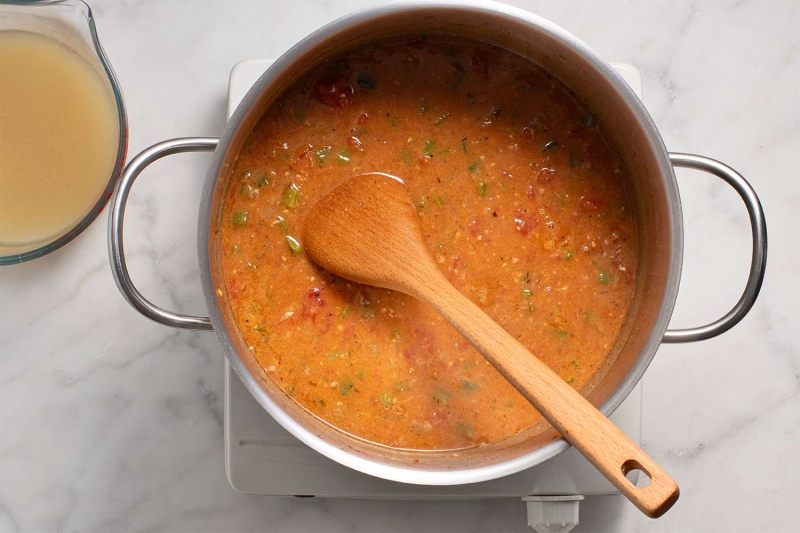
pixel 525 208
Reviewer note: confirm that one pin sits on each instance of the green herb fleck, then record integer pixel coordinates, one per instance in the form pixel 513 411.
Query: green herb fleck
pixel 405 156
pixel 561 334
pixel 573 161
pixel 235 249
pixel 469 385
pixel 343 157
pixel 604 278
pixel 428 147
pixel 552 145
pixel 245 190
pixel 290 196
pixel 402 386
pixel 240 218
pixel 345 386
pixel 588 316
pixel 293 244
pixel 345 310
pixel 395 334
pixel 530 307
pixel 439 200
pixel 473 167
pixel 385 400
pixel 567 254
pixel 574 363
pixel 527 293
pixel 482 189
pixel 261 329
pixel 360 373
pixel 421 204
pixel 364 81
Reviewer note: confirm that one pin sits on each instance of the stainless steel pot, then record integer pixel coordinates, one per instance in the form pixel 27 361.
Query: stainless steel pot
pixel 639 145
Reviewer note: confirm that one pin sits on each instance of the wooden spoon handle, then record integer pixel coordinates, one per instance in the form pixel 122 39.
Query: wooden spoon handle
pixel 586 428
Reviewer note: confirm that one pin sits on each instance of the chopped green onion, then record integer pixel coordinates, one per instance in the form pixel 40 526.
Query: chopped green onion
pixel 245 190
pixel 395 333
pixel 240 218
pixel 421 203
pixel 469 385
pixel 465 430
pixel 588 316
pixel 393 122
pixel 235 249
pixel 439 200
pixel 530 307
pixel 574 363
pixel 262 180
pixel 604 278
pixel 294 245
pixel 473 167
pixel 561 334
pixel 360 373
pixel 482 189
pixel 281 223
pixel 345 386
pixel 322 153
pixel 527 293
pixel 385 400
pixel 567 254
pixel 552 145
pixel 440 395
pixel 261 329
pixel 290 196
pixel 343 157
pixel 345 310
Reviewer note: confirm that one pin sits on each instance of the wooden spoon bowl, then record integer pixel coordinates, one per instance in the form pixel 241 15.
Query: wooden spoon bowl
pixel 367 230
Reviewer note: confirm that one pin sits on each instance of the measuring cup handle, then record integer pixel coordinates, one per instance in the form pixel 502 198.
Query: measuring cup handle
pixel 116 250
pixel 758 262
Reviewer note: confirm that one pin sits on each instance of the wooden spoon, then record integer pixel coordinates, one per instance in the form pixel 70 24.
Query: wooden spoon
pixel 367 230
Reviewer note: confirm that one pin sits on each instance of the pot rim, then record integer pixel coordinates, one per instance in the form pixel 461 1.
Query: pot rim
pixel 407 474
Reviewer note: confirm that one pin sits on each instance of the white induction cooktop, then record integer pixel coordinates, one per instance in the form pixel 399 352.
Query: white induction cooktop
pixel 263 458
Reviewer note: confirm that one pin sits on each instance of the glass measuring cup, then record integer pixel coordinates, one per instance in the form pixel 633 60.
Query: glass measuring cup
pixel 70 24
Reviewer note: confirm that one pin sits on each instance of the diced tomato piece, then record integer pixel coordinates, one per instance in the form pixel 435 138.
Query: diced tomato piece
pixel 524 221
pixel 334 92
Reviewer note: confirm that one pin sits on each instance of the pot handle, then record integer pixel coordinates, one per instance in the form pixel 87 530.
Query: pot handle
pixel 758 262
pixel 116 251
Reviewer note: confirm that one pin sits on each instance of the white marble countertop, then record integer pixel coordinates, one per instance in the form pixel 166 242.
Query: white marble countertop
pixel 109 422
